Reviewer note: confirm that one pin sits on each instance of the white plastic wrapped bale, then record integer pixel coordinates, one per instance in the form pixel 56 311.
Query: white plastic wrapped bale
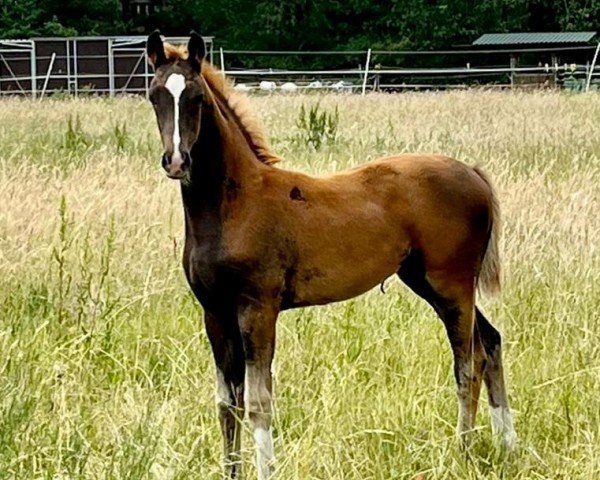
pixel 289 87
pixel 338 85
pixel 242 87
pixel 266 85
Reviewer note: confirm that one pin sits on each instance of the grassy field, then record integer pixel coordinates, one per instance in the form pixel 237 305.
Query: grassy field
pixel 105 370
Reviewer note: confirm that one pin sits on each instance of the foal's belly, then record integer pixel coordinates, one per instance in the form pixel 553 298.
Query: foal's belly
pixel 340 274
pixel 327 291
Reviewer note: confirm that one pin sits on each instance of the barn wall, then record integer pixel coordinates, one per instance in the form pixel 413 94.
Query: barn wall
pixel 81 65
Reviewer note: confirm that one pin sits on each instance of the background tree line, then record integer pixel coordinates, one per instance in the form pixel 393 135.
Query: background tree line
pixel 301 24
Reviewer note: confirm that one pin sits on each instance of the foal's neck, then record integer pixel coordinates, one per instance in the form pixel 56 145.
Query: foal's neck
pixel 223 164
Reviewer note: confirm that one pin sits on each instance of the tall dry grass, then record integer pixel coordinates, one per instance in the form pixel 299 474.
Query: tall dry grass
pixel 105 371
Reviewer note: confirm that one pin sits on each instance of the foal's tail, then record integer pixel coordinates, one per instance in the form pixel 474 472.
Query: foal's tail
pixel 489 276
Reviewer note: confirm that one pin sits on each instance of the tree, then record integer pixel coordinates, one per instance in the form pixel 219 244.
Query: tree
pixel 304 24
pixel 32 18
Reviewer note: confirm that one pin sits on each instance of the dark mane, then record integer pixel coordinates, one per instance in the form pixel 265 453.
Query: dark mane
pixel 237 103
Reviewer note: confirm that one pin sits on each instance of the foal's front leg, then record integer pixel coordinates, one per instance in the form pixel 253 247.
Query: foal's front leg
pixel 226 342
pixel 257 326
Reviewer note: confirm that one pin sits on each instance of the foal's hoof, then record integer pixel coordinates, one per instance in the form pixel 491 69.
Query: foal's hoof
pixel 510 441
pixel 465 440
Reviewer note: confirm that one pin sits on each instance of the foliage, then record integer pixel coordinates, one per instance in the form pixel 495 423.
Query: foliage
pixel 317 127
pixel 120 134
pixel 34 18
pixel 304 24
pixel 75 140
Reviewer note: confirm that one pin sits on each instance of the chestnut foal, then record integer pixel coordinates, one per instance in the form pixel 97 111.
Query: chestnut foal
pixel 260 240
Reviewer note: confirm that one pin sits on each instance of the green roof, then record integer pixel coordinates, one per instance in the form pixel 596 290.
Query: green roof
pixel 534 38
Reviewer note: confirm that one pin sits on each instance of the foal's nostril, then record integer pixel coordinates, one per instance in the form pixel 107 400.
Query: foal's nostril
pixel 165 161
pixel 186 160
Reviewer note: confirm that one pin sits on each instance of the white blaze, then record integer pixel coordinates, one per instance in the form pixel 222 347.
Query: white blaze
pixel 176 85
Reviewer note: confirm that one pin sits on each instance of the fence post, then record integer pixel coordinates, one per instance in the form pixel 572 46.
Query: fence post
pixel 68 52
pixel 222 60
pixel 211 51
pixel 33 66
pixel 364 85
pixel 513 64
pixel 592 68
pixel 75 68
pixel 111 69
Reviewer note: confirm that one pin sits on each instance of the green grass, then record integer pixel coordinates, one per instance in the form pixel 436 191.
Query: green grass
pixel 105 370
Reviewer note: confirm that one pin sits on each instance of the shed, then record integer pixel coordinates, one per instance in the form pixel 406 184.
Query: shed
pixel 549 49
pixel 106 65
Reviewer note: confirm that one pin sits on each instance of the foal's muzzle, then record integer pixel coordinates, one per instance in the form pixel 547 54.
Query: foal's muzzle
pixel 176 165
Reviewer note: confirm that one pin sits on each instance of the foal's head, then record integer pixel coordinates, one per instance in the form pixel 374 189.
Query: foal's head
pixel 176 94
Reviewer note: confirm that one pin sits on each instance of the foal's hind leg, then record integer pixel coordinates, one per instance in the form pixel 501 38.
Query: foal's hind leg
pixel 502 423
pixel 226 342
pixel 458 315
pixel 453 300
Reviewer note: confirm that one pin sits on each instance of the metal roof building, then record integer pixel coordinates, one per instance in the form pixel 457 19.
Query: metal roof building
pixel 550 50
pixel 535 38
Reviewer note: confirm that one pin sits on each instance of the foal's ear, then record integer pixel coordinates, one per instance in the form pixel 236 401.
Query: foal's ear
pixel 155 49
pixel 196 51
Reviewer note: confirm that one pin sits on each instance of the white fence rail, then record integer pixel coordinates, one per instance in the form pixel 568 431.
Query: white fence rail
pixel 115 65
pixel 372 75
